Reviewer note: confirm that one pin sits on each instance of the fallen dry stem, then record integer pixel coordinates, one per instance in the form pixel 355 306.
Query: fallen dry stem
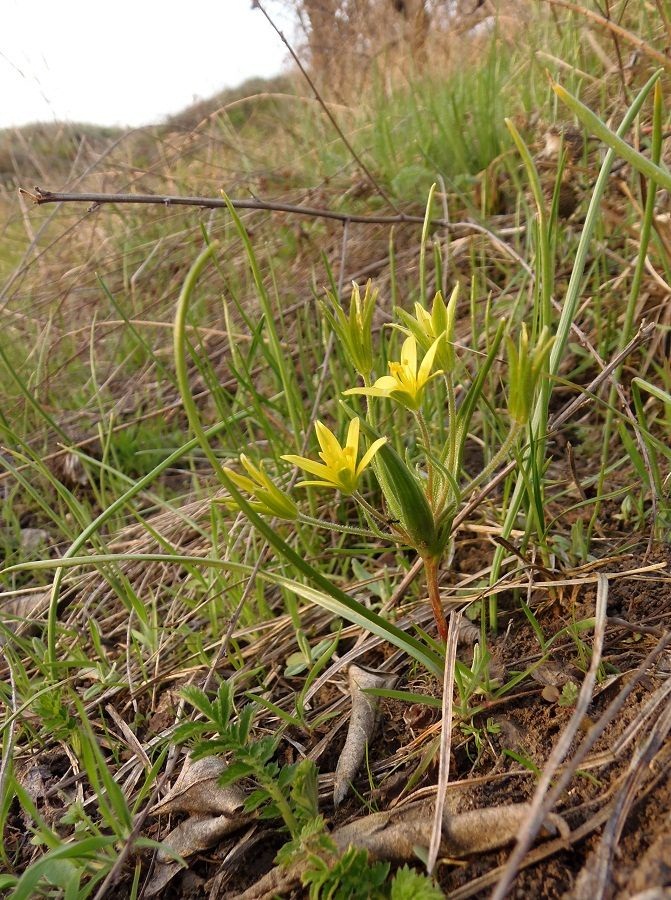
pixel 396 834
pixel 445 737
pixel 539 806
pixel 617 30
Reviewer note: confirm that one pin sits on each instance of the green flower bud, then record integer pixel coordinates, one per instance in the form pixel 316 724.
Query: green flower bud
pixel 525 367
pixel 354 331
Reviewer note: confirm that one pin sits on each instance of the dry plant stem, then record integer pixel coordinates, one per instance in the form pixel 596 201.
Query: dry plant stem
pixel 638 766
pixel 40 197
pixel 539 806
pixel 256 4
pixel 394 835
pixel 445 738
pixel 115 872
pixel 431 568
pixel 644 333
pixel 615 29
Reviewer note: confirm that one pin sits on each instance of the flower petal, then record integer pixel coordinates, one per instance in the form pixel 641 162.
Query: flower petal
pixel 427 363
pixel 369 454
pixel 330 445
pixel 370 391
pixel 315 468
pixel 387 383
pixel 241 481
pixel 409 354
pixel 353 436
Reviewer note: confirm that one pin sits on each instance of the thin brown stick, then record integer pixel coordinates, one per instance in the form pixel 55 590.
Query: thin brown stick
pixel 445 737
pixel 538 809
pixel 39 197
pixel 355 156
pixel 615 29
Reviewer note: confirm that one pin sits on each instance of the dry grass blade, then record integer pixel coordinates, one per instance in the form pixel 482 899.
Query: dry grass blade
pixel 539 807
pixel 445 736
pixel 593 880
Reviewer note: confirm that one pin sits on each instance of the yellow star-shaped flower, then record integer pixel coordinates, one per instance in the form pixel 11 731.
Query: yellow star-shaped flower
pixel 339 468
pixel 405 383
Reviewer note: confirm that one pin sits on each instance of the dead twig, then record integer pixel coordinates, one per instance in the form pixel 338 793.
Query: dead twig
pixel 539 805
pixel 445 738
pixel 39 196
pixel 617 30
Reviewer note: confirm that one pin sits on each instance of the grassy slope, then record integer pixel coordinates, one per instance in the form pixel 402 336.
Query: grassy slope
pixel 92 417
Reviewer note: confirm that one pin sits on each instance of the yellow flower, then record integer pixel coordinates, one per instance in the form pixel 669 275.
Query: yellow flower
pixel 270 500
pixel 339 468
pixel 405 383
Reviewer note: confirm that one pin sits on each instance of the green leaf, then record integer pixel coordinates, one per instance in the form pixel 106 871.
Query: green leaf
pixel 624 150
pixel 411 885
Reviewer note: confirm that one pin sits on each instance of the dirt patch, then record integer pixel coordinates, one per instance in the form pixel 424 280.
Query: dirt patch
pixel 504 731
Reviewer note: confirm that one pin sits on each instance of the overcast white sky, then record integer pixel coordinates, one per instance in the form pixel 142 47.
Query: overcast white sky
pixel 126 62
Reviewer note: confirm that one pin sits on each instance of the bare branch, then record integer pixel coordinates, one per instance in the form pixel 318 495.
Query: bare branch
pixel 38 196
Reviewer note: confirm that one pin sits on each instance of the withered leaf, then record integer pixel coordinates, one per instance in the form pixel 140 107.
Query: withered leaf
pixel 394 835
pixel 361 725
pixel 197 791
pixel 198 833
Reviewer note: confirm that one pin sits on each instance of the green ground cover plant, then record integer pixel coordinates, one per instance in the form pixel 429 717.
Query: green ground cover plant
pixel 241 451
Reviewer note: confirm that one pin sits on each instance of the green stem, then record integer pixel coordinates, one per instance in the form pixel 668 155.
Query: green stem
pixel 452 423
pixel 334 526
pixel 496 460
pixel 281 802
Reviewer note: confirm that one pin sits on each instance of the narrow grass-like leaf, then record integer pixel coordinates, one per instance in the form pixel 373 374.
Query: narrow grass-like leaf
pixel 625 151
pixel 327 594
pixel 570 305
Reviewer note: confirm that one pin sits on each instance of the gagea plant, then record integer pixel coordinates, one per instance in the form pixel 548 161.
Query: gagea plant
pixel 411 434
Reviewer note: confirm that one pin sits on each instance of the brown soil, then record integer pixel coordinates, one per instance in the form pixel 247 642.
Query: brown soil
pixel 528 724
pixel 499 742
